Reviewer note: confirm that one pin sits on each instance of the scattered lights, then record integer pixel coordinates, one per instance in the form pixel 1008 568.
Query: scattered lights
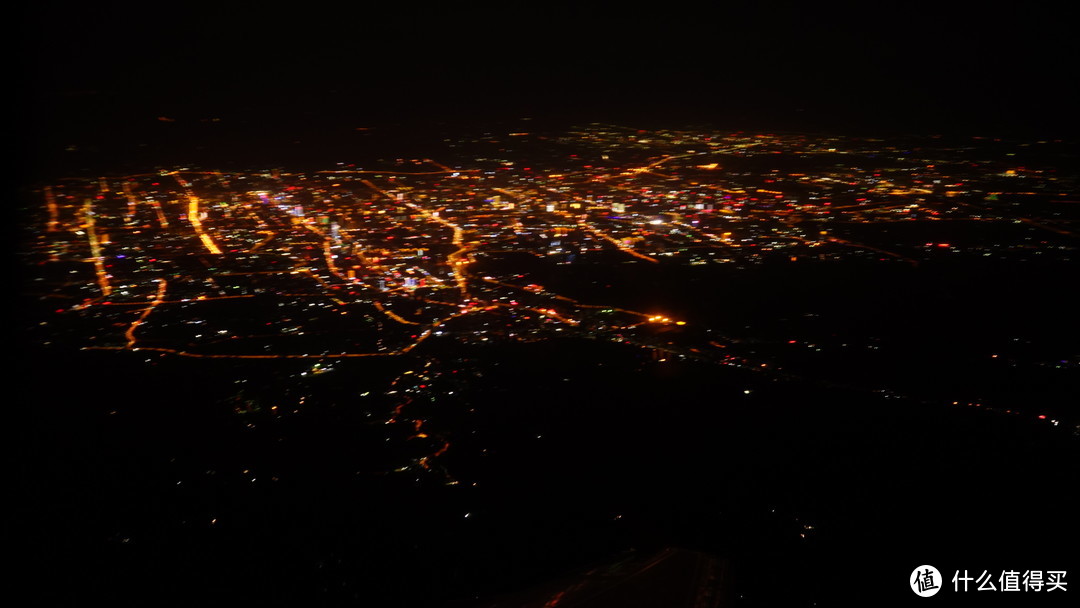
pixel 408 242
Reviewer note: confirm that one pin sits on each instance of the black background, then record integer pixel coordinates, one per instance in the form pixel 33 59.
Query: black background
pixel 111 70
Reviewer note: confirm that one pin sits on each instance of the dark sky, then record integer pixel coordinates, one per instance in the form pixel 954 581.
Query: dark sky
pixel 893 66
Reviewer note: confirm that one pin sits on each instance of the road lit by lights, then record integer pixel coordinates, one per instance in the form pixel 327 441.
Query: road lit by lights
pixel 95 248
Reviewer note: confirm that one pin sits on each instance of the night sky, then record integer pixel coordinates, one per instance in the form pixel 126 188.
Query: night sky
pixel 896 66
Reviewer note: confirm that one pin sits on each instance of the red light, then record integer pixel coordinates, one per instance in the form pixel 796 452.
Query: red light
pixel 1042 416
